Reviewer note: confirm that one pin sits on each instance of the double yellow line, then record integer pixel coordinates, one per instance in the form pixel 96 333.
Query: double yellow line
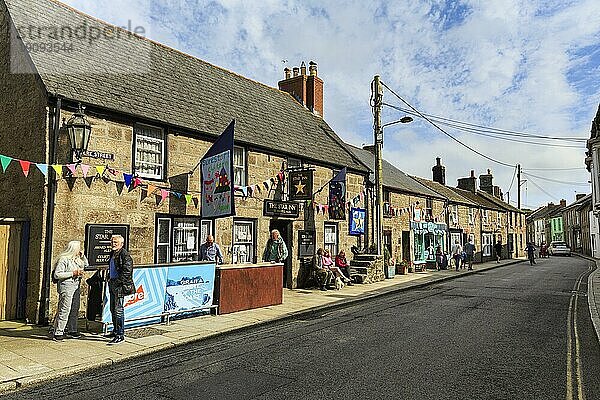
pixel 574 376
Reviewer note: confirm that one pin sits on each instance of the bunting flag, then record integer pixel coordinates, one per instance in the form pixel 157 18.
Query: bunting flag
pixel 43 168
pixel 188 199
pixel 100 169
pixel 177 194
pixel 137 182
pixel 85 169
pixel 151 189
pixel 216 176
pixel 72 168
pixel 281 176
pixel 58 169
pixel 164 194
pixel 266 183
pixel 25 166
pixel 5 161
pixel 127 178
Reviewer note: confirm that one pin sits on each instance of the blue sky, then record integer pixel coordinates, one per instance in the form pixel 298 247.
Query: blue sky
pixel 528 66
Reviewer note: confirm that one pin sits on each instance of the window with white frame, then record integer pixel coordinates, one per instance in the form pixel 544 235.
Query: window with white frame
pixel 454 214
pixel 471 216
pixel 487 242
pixel 239 166
pixel 331 238
pixel 149 151
pixel 244 242
pixel 485 216
pixel 179 238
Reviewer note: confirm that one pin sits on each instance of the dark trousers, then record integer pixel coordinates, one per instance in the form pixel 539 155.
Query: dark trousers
pixel 116 310
pixel 456 260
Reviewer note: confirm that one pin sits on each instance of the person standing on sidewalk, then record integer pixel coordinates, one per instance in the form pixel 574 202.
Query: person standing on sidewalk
pixel 530 249
pixel 120 284
pixel 470 252
pixel 276 250
pixel 498 250
pixel 67 275
pixel 456 252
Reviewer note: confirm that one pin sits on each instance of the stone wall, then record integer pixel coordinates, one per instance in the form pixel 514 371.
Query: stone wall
pixel 23 135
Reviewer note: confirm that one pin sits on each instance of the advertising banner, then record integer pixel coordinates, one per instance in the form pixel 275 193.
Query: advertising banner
pixel 337 196
pixel 189 287
pixel 357 221
pixel 149 297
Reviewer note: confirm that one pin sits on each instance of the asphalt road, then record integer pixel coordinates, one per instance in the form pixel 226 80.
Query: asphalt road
pixel 516 332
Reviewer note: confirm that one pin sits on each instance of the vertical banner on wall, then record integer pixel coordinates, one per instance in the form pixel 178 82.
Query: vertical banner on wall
pixel 189 287
pixel 217 177
pixel 337 196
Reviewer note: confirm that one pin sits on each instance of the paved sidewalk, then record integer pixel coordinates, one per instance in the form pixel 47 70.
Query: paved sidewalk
pixel 27 356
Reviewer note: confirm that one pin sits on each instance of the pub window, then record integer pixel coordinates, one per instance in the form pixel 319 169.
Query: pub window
pixel 244 242
pixel 331 238
pixel 484 216
pixel 239 166
pixel 429 208
pixel 471 216
pixel 387 197
pixel 149 151
pixel 179 238
pixel 294 163
pixel 454 214
pixel 487 241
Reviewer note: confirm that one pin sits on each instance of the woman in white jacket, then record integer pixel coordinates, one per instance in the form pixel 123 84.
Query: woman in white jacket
pixel 68 273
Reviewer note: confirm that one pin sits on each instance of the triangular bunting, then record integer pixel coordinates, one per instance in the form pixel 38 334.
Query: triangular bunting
pixel 151 189
pixel 177 194
pixel 25 166
pixel 137 182
pixel 188 199
pixel 5 161
pixel 164 194
pixel 266 184
pixel 85 169
pixel 58 169
pixel 72 168
pixel 127 178
pixel 43 168
pixel 100 169
pixel 244 191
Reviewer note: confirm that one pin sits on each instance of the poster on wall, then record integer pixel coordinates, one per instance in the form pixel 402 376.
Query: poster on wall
pixel 357 221
pixel 189 287
pixel 306 244
pixel 301 185
pixel 337 196
pixel 217 177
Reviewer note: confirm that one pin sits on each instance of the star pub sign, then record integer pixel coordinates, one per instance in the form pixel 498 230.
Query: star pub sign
pixel 301 185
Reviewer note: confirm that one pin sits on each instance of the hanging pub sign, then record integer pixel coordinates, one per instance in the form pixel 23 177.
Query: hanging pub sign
pixel 337 196
pixel 357 221
pixel 283 209
pixel 301 185
pixel 306 244
pixel 98 241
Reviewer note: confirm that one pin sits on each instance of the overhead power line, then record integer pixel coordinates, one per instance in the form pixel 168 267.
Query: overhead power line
pixel 446 133
pixel 556 180
pixel 542 189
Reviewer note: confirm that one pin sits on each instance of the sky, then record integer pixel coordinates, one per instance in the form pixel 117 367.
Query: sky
pixel 529 66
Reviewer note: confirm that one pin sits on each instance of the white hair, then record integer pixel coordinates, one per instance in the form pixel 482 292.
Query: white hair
pixel 71 251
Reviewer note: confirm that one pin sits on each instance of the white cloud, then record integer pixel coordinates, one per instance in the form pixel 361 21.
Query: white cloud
pixel 519 65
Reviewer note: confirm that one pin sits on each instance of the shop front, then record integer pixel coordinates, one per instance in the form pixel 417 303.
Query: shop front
pixel 427 236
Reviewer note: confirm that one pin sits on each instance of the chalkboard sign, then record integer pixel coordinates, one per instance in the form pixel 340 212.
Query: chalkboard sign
pixel 306 244
pixel 97 241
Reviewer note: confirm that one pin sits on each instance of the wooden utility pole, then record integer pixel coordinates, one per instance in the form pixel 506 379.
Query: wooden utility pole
pixel 378 132
pixel 519 186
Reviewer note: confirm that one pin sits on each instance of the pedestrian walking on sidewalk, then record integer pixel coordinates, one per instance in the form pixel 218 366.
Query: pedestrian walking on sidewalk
pixel 456 253
pixel 530 249
pixel 67 276
pixel 276 250
pixel 120 284
pixel 498 250
pixel 470 252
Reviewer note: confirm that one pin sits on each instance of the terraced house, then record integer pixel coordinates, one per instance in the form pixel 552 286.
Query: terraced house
pixel 154 112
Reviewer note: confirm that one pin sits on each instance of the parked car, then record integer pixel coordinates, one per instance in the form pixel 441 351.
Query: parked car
pixel 559 249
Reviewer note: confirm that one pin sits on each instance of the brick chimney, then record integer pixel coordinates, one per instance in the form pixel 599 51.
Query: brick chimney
pixel 469 183
pixel 307 89
pixel 563 203
pixel 486 182
pixel 439 172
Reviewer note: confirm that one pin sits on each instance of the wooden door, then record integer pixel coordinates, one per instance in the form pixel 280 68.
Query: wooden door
pixel 10 243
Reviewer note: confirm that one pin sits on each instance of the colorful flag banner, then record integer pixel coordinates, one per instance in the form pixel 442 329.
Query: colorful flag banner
pixel 188 199
pixel 216 175
pixel 164 194
pixel 25 166
pixel 100 169
pixel 58 169
pixel 337 196
pixel 85 169
pixel 5 161
pixel 43 168
pixel 127 178
pixel 151 189
pixel 72 168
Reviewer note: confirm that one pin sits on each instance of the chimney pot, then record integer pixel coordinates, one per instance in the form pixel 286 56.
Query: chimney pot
pixel 312 68
pixel 489 171
pixel 472 173
pixel 439 172
pixel 303 68
pixel 296 70
pixel 438 161
pixel 287 72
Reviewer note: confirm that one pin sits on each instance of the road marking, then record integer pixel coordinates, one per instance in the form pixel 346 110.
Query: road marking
pixel 573 332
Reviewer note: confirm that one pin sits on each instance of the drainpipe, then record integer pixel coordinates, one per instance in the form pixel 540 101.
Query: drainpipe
pixel 46 279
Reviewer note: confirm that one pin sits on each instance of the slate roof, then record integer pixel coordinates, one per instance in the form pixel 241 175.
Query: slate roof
pixel 499 202
pixel 394 178
pixel 477 199
pixel 542 212
pixel 445 191
pixel 128 74
pixel 579 204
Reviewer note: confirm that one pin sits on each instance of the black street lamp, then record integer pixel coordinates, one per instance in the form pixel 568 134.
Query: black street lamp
pixel 79 130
